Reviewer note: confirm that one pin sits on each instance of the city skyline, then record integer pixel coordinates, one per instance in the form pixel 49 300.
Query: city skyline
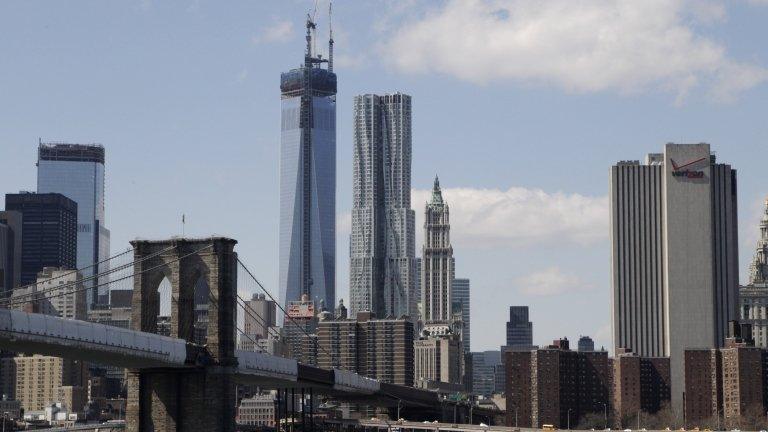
pixel 157 134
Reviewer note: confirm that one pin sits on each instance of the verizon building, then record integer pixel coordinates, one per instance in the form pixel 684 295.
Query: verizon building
pixel 674 254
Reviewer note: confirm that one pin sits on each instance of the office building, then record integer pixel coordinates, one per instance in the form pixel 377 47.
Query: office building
pixel 586 344
pixel 555 386
pixel 438 360
pixel 42 380
pixel 262 315
pixel 257 410
pixel 10 251
pixel 725 388
pixel 261 333
pixel 307 240
pixel 299 330
pixel 484 373
pixel 437 263
pixel 674 254
pixel 49 232
pixel 111 316
pixel 77 172
pixel 519 328
pixel 460 298
pixel 640 384
pixel 382 240
pixel 753 297
pixel 60 293
pixel 381 349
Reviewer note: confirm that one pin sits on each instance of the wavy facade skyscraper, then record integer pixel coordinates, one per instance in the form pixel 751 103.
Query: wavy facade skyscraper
pixel 308 180
pixel 382 240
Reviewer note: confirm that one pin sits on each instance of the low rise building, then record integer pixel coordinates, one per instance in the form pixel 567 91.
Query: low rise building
pixel 10 409
pixel 258 410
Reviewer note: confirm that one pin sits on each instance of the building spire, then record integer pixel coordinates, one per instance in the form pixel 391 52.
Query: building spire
pixel 330 37
pixel 437 194
pixel 758 269
pixel 310 28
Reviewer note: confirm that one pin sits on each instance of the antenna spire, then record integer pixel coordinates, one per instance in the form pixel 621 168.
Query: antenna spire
pixel 310 27
pixel 330 37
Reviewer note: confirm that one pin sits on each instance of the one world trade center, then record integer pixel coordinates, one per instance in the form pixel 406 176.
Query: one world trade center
pixel 308 178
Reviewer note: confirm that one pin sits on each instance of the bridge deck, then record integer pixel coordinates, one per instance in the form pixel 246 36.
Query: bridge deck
pixel 79 340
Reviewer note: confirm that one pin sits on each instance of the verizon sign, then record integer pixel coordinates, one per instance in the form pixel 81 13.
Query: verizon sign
pixel 686 169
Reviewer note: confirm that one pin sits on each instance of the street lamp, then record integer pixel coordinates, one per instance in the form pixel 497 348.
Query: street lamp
pixel 5 414
pixel 569 419
pixel 605 415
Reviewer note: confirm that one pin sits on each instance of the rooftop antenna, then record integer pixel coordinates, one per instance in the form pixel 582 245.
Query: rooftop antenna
pixel 330 37
pixel 314 15
pixel 310 26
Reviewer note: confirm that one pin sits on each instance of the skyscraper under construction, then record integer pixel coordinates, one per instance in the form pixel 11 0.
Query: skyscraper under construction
pixel 308 178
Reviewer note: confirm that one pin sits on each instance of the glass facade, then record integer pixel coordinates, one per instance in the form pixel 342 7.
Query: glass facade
pixel 308 192
pixel 49 232
pixel 77 172
pixel 461 296
pixel 519 329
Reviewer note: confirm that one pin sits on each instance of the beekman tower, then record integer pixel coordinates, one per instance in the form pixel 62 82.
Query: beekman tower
pixel 308 178
pixel 382 240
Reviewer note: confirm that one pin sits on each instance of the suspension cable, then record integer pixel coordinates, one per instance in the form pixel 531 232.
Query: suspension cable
pixel 70 272
pixel 261 320
pixel 11 304
pixel 15 298
pixel 280 306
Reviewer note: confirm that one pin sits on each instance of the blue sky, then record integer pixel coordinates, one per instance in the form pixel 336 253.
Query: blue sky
pixel 521 107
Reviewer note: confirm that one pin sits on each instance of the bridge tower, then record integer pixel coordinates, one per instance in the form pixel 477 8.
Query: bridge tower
pixel 201 396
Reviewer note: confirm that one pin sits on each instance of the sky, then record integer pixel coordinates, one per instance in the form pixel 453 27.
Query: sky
pixel 519 106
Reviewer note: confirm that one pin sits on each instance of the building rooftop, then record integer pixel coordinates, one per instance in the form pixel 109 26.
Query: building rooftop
pixel 71 152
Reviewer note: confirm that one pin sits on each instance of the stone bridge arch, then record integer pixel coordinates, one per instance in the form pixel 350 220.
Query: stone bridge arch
pixel 199 397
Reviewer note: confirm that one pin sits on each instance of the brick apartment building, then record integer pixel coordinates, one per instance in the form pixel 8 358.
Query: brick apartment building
pixel 555 385
pixel 725 387
pixel 639 384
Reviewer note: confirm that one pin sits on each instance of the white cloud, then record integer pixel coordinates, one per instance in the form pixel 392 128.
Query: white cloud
pixel 277 31
pixel 587 46
pixel 519 216
pixel 550 282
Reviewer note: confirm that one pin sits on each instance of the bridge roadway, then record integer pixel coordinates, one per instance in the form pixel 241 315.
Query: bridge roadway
pixel 91 427
pixel 374 425
pixel 34 333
